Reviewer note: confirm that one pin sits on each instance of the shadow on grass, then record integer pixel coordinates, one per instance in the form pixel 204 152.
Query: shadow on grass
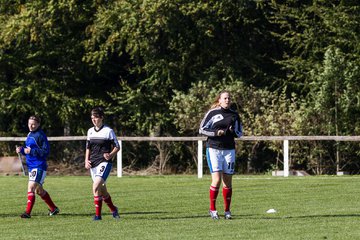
pixel 151 215
pixel 159 215
pixel 274 217
pixel 260 216
pixel 67 214
pixel 5 215
pixel 324 216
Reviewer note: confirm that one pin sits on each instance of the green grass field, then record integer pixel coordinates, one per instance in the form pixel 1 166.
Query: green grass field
pixel 175 207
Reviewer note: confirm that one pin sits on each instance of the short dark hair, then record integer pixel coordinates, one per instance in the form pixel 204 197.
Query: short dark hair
pixel 36 118
pixel 98 112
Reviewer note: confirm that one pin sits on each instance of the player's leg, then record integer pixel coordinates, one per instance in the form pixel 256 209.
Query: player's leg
pixel 229 166
pixel 214 189
pixel 45 196
pixel 99 175
pixel 213 193
pixel 227 194
pixel 107 199
pixel 214 159
pixel 36 179
pixel 30 199
pixel 97 183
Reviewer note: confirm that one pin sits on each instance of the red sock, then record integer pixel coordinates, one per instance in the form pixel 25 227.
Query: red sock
pixel 109 202
pixel 30 202
pixel 98 205
pixel 227 193
pixel 47 199
pixel 214 191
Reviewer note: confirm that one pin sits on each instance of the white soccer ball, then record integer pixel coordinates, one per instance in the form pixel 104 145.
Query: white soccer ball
pixel 271 210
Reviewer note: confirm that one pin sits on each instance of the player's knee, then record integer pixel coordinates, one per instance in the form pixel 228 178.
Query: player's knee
pixel 97 190
pixel 216 182
pixel 39 191
pixel 32 188
pixel 227 183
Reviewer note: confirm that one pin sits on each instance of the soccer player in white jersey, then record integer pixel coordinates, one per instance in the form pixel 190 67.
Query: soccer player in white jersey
pixel 221 125
pixel 101 147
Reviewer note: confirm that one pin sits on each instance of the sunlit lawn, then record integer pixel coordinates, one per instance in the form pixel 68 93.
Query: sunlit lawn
pixel 175 207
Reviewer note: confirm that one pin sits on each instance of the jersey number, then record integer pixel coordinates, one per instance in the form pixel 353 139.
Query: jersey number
pixel 231 165
pixel 33 173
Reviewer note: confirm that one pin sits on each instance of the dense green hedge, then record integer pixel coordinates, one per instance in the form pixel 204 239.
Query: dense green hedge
pixel 293 69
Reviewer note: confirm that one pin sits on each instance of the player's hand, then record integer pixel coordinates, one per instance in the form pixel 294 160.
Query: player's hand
pixel 231 128
pixel 18 149
pixel 87 164
pixel 229 131
pixel 27 150
pixel 107 156
pixel 220 132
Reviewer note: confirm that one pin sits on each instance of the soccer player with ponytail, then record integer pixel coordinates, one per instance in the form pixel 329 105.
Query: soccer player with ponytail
pixel 221 125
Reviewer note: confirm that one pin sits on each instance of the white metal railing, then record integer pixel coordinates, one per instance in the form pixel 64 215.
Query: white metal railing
pixel 286 141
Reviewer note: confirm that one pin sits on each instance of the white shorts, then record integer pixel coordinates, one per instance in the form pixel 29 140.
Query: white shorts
pixel 102 170
pixel 37 175
pixel 221 160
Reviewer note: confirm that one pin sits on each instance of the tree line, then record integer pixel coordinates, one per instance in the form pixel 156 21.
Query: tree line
pixel 156 65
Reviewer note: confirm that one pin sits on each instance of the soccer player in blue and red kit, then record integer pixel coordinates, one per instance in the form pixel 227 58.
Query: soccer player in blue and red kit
pixel 36 150
pixel 221 125
pixel 101 147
